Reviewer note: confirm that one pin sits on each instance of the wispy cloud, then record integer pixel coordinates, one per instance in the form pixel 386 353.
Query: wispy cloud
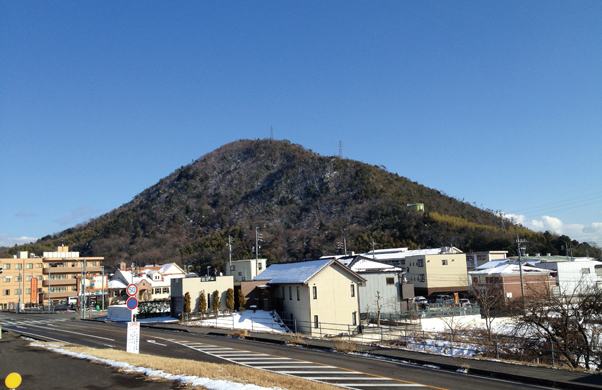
pixel 80 214
pixel 5 240
pixel 23 214
pixel 582 233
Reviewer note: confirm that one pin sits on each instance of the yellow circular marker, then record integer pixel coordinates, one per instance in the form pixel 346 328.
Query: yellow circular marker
pixel 13 380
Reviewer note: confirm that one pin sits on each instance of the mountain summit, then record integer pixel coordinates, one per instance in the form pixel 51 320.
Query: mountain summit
pixel 301 204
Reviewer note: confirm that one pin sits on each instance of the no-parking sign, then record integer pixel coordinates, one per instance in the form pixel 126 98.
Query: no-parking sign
pixel 131 303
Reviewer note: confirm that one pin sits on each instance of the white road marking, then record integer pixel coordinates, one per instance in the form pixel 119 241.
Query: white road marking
pixel 154 342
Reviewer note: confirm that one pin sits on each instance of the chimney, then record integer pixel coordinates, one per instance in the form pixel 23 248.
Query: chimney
pixel 122 266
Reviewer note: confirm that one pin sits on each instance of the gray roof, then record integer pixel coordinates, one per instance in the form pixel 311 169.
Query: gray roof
pixel 297 273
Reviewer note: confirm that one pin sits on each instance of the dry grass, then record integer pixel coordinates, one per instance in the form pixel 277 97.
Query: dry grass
pixel 241 333
pixel 227 372
pixel 295 339
pixel 345 346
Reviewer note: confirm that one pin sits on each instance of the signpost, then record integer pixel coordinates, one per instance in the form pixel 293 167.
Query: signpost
pixel 133 334
pixel 133 337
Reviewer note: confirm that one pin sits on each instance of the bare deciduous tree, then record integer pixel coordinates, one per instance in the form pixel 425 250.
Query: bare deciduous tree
pixel 569 319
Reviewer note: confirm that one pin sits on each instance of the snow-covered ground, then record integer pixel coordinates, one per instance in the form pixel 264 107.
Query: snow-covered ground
pixel 258 321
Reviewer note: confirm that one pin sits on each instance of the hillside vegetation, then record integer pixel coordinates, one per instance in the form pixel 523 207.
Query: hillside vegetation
pixel 301 202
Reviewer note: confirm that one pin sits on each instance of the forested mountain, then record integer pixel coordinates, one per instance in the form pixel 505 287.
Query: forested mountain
pixel 302 204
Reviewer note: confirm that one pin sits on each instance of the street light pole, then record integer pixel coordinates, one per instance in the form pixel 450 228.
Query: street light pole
pixel 49 279
pixel 20 291
pixel 102 283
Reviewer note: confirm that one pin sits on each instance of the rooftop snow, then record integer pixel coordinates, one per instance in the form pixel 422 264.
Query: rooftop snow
pixel 285 273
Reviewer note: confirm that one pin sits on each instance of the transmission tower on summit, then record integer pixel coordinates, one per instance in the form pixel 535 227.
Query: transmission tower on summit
pixel 340 149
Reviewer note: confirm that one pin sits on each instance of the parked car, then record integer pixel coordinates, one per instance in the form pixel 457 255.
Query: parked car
pixel 464 302
pixel 445 300
pixel 421 302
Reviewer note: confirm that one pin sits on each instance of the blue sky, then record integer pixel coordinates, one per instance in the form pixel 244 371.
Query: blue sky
pixel 498 103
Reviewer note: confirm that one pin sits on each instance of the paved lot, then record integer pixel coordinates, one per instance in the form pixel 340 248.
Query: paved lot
pixel 42 369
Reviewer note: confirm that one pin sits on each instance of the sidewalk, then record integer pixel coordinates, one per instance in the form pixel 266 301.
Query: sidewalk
pixel 496 369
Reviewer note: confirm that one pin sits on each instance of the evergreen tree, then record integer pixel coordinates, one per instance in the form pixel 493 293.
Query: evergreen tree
pixel 216 302
pixel 230 299
pixel 187 302
pixel 241 300
pixel 203 302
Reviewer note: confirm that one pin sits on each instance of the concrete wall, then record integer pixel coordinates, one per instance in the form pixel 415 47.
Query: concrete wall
pixel 120 313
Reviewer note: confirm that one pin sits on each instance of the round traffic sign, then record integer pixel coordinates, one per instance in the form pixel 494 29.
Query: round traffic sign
pixel 131 303
pixel 132 289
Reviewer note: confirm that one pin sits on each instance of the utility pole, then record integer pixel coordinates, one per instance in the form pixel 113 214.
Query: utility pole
pixel 520 248
pixel 83 300
pixel 344 242
pixel 230 254
pixel 258 238
pixel 102 283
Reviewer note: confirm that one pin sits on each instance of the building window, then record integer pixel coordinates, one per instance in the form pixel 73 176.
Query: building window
pixel 165 290
pixel 5 292
pixel 420 263
pixel 240 273
pixel 354 318
pixel 39 265
pixel 315 291
pixel 17 291
pixel 232 268
pixel 29 265
pixel 17 266
pixel 73 288
pixel 93 264
pixel 27 291
pixel 421 278
pixel 585 271
pixel 260 266
pixel 158 291
pixel 6 266
pixel 290 293
pixel 390 281
pixel 298 294
pixel 17 279
pixel 352 290
pixel 443 262
pixel 28 278
pixel 7 279
pixel 316 323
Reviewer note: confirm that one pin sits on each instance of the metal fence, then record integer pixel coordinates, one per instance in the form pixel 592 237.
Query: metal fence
pixel 406 332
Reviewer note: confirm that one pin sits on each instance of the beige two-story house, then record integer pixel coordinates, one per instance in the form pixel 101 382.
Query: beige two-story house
pixel 316 297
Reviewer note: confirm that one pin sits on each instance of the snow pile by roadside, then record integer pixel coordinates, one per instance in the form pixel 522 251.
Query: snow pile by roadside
pixel 212 384
pixel 257 321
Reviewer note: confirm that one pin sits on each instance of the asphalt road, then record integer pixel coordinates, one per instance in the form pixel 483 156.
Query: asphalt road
pixel 352 371
pixel 43 369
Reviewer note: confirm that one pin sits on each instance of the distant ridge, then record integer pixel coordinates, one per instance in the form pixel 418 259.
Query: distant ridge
pixel 302 204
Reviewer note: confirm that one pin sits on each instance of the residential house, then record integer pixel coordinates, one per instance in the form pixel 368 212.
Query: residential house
pixel 197 286
pixel 153 282
pixel 245 270
pixel 574 276
pixel 315 297
pixel 383 286
pixel 504 278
